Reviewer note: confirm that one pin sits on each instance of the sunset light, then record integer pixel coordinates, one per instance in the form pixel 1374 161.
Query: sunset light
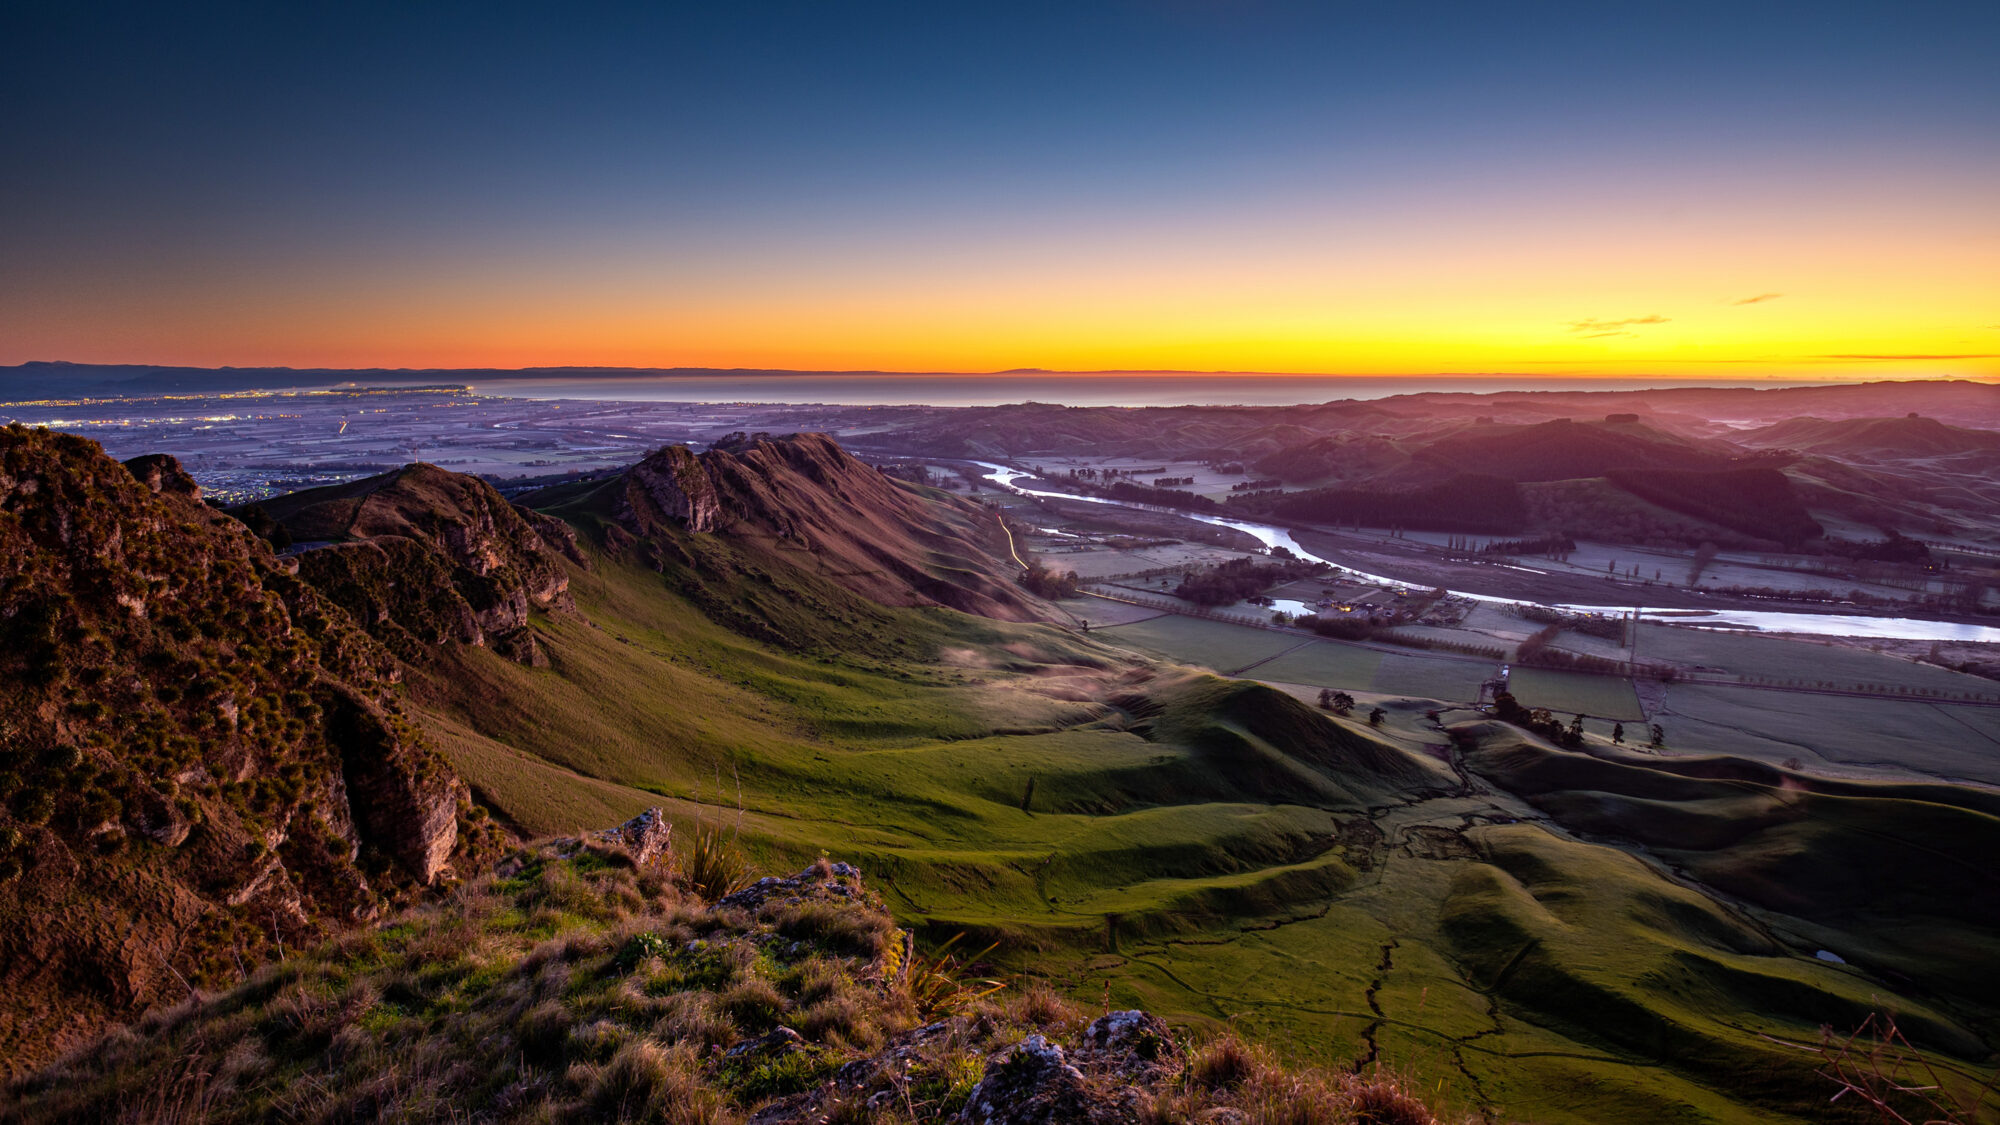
pixel 1275 188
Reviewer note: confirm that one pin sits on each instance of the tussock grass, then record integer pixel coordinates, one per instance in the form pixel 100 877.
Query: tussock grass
pixel 646 1005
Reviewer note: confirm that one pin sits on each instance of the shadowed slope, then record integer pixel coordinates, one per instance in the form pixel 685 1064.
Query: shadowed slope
pixel 200 758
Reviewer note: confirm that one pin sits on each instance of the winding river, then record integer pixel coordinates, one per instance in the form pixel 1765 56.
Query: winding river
pixel 1749 620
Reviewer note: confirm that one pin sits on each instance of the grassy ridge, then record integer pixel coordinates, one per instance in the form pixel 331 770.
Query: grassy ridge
pixel 1208 849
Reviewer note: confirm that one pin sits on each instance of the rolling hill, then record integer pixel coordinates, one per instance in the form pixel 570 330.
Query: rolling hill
pixel 769 642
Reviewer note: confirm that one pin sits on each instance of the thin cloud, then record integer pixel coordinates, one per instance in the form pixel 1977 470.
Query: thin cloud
pixel 1758 299
pixel 1594 327
pixel 1913 355
pixel 1602 335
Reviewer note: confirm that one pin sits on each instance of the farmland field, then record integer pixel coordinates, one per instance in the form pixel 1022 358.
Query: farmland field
pixel 1326 664
pixel 1780 659
pixel 1604 697
pixel 1933 738
pixel 1432 677
pixel 1193 640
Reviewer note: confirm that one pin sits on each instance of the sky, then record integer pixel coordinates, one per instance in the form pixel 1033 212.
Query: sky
pixel 1741 190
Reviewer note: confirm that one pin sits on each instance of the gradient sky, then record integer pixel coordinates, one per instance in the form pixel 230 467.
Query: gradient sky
pixel 1742 189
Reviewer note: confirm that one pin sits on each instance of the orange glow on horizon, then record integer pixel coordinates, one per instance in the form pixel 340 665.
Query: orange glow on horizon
pixel 1830 290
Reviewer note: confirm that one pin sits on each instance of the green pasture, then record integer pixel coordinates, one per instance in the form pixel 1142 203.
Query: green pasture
pixel 1325 664
pixel 1576 693
pixel 1780 659
pixel 1197 641
pixel 1201 847
pixel 1453 680
pixel 1940 739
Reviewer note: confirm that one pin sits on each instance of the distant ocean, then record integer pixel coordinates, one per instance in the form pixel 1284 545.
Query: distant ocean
pixel 1071 390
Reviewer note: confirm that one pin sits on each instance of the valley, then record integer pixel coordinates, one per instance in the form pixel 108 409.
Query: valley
pixel 1142 801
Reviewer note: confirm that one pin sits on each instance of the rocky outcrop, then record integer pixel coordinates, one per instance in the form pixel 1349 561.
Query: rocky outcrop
pixel 403 799
pixel 804 499
pixel 672 484
pixel 422 556
pixel 201 757
pixel 162 472
pixel 648 837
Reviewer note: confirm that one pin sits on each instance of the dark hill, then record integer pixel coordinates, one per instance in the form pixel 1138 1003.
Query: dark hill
pixel 1757 502
pixel 1031 428
pixel 1348 455
pixel 422 555
pixel 1565 450
pixel 200 758
pixel 1466 502
pixel 1891 438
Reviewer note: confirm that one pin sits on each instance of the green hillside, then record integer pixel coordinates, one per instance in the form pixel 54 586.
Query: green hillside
pixel 1208 849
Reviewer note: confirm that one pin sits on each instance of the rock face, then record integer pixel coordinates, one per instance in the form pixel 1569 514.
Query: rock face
pixel 161 472
pixel 200 755
pixel 648 837
pixel 422 556
pixel 803 497
pixel 1031 1083
pixel 1035 1082
pixel 673 484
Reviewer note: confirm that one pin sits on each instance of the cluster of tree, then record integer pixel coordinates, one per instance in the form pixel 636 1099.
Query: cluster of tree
pixel 1164 497
pixel 1347 627
pixel 1468 502
pixel 1758 502
pixel 1103 474
pixel 1169 482
pixel 1043 582
pixel 1595 665
pixel 1232 581
pixel 1539 720
pixel 916 472
pixel 1614 515
pixel 1553 546
pixel 1535 645
pixel 1344 627
pixel 1256 485
pixel 1893 549
pixel 1342 704
pixel 1590 625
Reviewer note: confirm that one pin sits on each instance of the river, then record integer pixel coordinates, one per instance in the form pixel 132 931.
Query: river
pixel 1750 620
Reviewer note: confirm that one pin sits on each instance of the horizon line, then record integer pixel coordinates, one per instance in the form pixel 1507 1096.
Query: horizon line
pixel 1007 372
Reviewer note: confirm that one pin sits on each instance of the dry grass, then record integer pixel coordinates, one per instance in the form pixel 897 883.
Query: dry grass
pixel 1878 1068
pixel 572 990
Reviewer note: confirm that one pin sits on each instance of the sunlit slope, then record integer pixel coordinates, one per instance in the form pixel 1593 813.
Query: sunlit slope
pixel 1019 778
pixel 1210 848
